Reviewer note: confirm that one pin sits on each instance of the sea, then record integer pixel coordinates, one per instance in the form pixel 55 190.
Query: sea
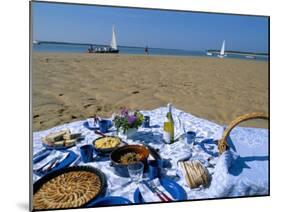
pixel 82 48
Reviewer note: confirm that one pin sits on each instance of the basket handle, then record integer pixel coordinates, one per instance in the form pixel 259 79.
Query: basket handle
pixel 222 143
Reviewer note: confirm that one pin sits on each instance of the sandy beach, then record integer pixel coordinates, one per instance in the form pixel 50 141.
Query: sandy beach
pixel 69 87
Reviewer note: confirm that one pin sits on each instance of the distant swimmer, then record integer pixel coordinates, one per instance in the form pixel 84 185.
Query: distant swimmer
pixel 146 50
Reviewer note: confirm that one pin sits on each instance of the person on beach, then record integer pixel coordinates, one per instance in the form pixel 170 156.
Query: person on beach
pixel 91 49
pixel 146 50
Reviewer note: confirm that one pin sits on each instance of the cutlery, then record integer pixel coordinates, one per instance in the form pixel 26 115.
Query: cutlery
pixel 155 191
pixel 99 133
pixel 52 164
pixel 48 163
pixel 161 192
pixel 59 160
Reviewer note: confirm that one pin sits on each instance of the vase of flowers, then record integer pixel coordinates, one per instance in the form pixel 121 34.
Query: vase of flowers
pixel 128 122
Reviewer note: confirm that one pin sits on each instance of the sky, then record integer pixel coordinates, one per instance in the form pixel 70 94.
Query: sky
pixel 153 28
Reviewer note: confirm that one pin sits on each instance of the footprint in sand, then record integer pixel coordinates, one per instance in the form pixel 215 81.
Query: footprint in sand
pixel 87 105
pixel 135 92
pixel 36 116
pixel 61 94
pixel 61 110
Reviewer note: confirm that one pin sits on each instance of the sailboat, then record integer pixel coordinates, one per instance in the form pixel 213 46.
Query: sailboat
pixel 222 53
pixel 113 45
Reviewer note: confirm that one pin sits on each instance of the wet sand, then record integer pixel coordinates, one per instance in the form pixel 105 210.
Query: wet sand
pixel 69 87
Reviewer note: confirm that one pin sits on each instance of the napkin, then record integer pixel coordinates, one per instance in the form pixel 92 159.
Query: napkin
pixel 50 158
pixel 148 195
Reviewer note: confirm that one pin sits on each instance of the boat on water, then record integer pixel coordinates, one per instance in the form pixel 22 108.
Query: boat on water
pixel 250 57
pixel 222 52
pixel 209 53
pixel 111 49
pixel 35 42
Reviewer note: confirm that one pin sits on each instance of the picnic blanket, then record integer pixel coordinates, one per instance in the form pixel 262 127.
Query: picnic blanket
pixel 240 171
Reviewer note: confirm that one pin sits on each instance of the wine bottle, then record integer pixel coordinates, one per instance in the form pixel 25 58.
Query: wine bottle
pixel 168 134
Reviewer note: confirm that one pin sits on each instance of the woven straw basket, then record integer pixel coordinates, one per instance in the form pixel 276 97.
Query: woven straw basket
pixel 222 143
pixel 195 173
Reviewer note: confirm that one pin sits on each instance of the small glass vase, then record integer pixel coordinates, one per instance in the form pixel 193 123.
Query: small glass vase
pixel 128 134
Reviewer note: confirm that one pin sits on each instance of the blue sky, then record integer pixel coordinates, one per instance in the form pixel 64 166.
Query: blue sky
pixel 155 28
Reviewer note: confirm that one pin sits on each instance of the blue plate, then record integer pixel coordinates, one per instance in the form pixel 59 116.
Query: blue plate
pixel 176 191
pixel 41 156
pixel 86 124
pixel 65 163
pixel 110 200
pixel 56 148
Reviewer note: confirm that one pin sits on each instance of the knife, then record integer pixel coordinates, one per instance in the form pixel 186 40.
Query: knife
pixel 154 191
pixel 51 163
pixel 153 185
pixel 46 164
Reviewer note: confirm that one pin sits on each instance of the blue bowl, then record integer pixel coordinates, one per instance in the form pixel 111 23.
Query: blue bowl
pixel 110 200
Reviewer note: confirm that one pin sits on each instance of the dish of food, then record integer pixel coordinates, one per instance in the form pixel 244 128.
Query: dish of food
pixel 130 157
pixel 70 189
pixel 61 139
pixel 107 142
pixel 122 156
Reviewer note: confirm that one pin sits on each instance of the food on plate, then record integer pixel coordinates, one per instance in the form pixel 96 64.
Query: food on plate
pixel 69 190
pixel 56 136
pixel 130 157
pixel 107 142
pixel 62 138
pixel 69 136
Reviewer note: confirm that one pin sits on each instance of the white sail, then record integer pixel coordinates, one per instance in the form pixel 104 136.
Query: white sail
pixel 113 43
pixel 222 48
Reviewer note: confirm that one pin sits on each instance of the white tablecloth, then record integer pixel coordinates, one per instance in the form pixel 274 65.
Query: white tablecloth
pixel 241 171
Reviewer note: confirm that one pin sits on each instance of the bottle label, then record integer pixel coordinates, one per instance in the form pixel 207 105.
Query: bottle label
pixel 167 132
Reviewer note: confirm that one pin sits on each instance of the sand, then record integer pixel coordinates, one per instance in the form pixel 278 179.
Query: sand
pixel 69 87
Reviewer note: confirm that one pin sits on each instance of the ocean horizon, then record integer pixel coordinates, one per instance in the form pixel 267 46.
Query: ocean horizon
pixel 61 47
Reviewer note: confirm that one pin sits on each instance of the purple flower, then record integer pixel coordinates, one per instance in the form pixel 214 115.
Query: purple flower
pixel 132 119
pixel 124 112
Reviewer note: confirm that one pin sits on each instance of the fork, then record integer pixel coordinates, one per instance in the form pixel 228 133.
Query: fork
pixel 167 198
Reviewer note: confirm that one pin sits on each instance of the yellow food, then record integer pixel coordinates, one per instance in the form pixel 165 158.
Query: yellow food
pixel 107 142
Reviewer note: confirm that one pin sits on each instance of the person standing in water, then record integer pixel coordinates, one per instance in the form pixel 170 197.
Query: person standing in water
pixel 91 49
pixel 146 50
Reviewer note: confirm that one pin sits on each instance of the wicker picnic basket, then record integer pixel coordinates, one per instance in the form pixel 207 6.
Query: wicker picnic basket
pixel 195 173
pixel 222 143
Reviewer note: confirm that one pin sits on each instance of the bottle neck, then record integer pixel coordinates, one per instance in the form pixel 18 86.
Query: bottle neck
pixel 169 107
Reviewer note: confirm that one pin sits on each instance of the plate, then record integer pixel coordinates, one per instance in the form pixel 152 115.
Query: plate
pixel 41 156
pixel 86 124
pixel 57 148
pixel 110 200
pixel 65 163
pixel 176 191
pixel 57 173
